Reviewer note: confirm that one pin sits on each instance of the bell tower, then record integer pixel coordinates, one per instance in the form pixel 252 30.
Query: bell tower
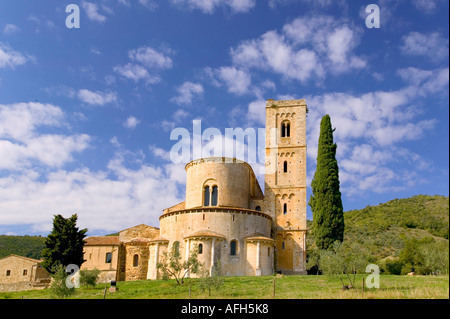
pixel 285 182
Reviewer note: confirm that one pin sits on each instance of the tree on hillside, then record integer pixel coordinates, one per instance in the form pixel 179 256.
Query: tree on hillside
pixel 325 201
pixel 64 245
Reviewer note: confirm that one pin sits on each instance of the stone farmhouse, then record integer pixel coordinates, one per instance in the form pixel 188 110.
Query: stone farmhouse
pixel 21 273
pixel 226 216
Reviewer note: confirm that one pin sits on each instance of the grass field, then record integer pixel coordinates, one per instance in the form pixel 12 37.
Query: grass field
pixel 287 287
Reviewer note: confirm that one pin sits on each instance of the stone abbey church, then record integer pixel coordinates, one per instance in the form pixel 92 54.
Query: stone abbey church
pixel 226 216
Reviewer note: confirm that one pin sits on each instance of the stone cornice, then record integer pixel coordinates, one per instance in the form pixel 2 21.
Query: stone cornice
pixel 284 103
pixel 216 210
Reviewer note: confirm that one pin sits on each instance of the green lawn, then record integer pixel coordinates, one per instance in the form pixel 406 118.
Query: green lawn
pixel 287 287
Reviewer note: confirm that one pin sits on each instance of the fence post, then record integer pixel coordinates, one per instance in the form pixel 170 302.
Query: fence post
pixel 363 286
pixel 274 280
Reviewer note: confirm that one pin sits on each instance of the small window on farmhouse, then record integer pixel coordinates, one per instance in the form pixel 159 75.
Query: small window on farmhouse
pixel 108 258
pixel 215 194
pixel 206 196
pixel 200 249
pixel 136 260
pixel 8 273
pixel 233 247
pixel 25 272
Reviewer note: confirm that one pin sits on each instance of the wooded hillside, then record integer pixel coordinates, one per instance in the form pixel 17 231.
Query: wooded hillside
pixel 27 246
pixel 400 234
pixel 384 228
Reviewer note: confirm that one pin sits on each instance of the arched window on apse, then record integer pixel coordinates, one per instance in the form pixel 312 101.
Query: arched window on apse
pixel 206 196
pixel 215 196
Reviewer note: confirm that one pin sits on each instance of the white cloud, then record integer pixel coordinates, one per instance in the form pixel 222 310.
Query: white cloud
pixel 149 4
pixel 414 75
pixel 340 43
pixel 425 6
pixel 96 98
pixel 105 201
pixel 187 92
pixel 10 58
pixel 248 53
pixel 160 153
pixel 33 174
pixel 432 45
pixel 136 73
pixel 146 63
pixel 19 121
pixel 426 81
pixel 10 29
pixel 96 51
pixel 180 115
pixel 370 129
pixel 384 118
pixel 333 40
pixel 238 81
pixel 272 52
pixel 150 58
pixel 177 118
pixel 20 143
pixel 131 122
pixel 241 5
pixel 92 11
pixel 209 6
pixel 257 112
pixel 61 90
pixel 51 150
pixel 307 48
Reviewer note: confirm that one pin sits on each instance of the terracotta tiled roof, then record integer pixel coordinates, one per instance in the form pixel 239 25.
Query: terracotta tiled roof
pixel 22 257
pixel 102 241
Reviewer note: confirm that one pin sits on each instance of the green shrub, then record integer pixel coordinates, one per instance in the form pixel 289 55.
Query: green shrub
pixel 89 277
pixel 58 288
pixel 392 267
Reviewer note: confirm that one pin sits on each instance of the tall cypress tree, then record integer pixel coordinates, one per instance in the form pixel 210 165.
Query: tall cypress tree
pixel 325 201
pixel 64 245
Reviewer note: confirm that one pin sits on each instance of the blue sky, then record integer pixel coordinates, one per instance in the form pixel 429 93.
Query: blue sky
pixel 86 113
